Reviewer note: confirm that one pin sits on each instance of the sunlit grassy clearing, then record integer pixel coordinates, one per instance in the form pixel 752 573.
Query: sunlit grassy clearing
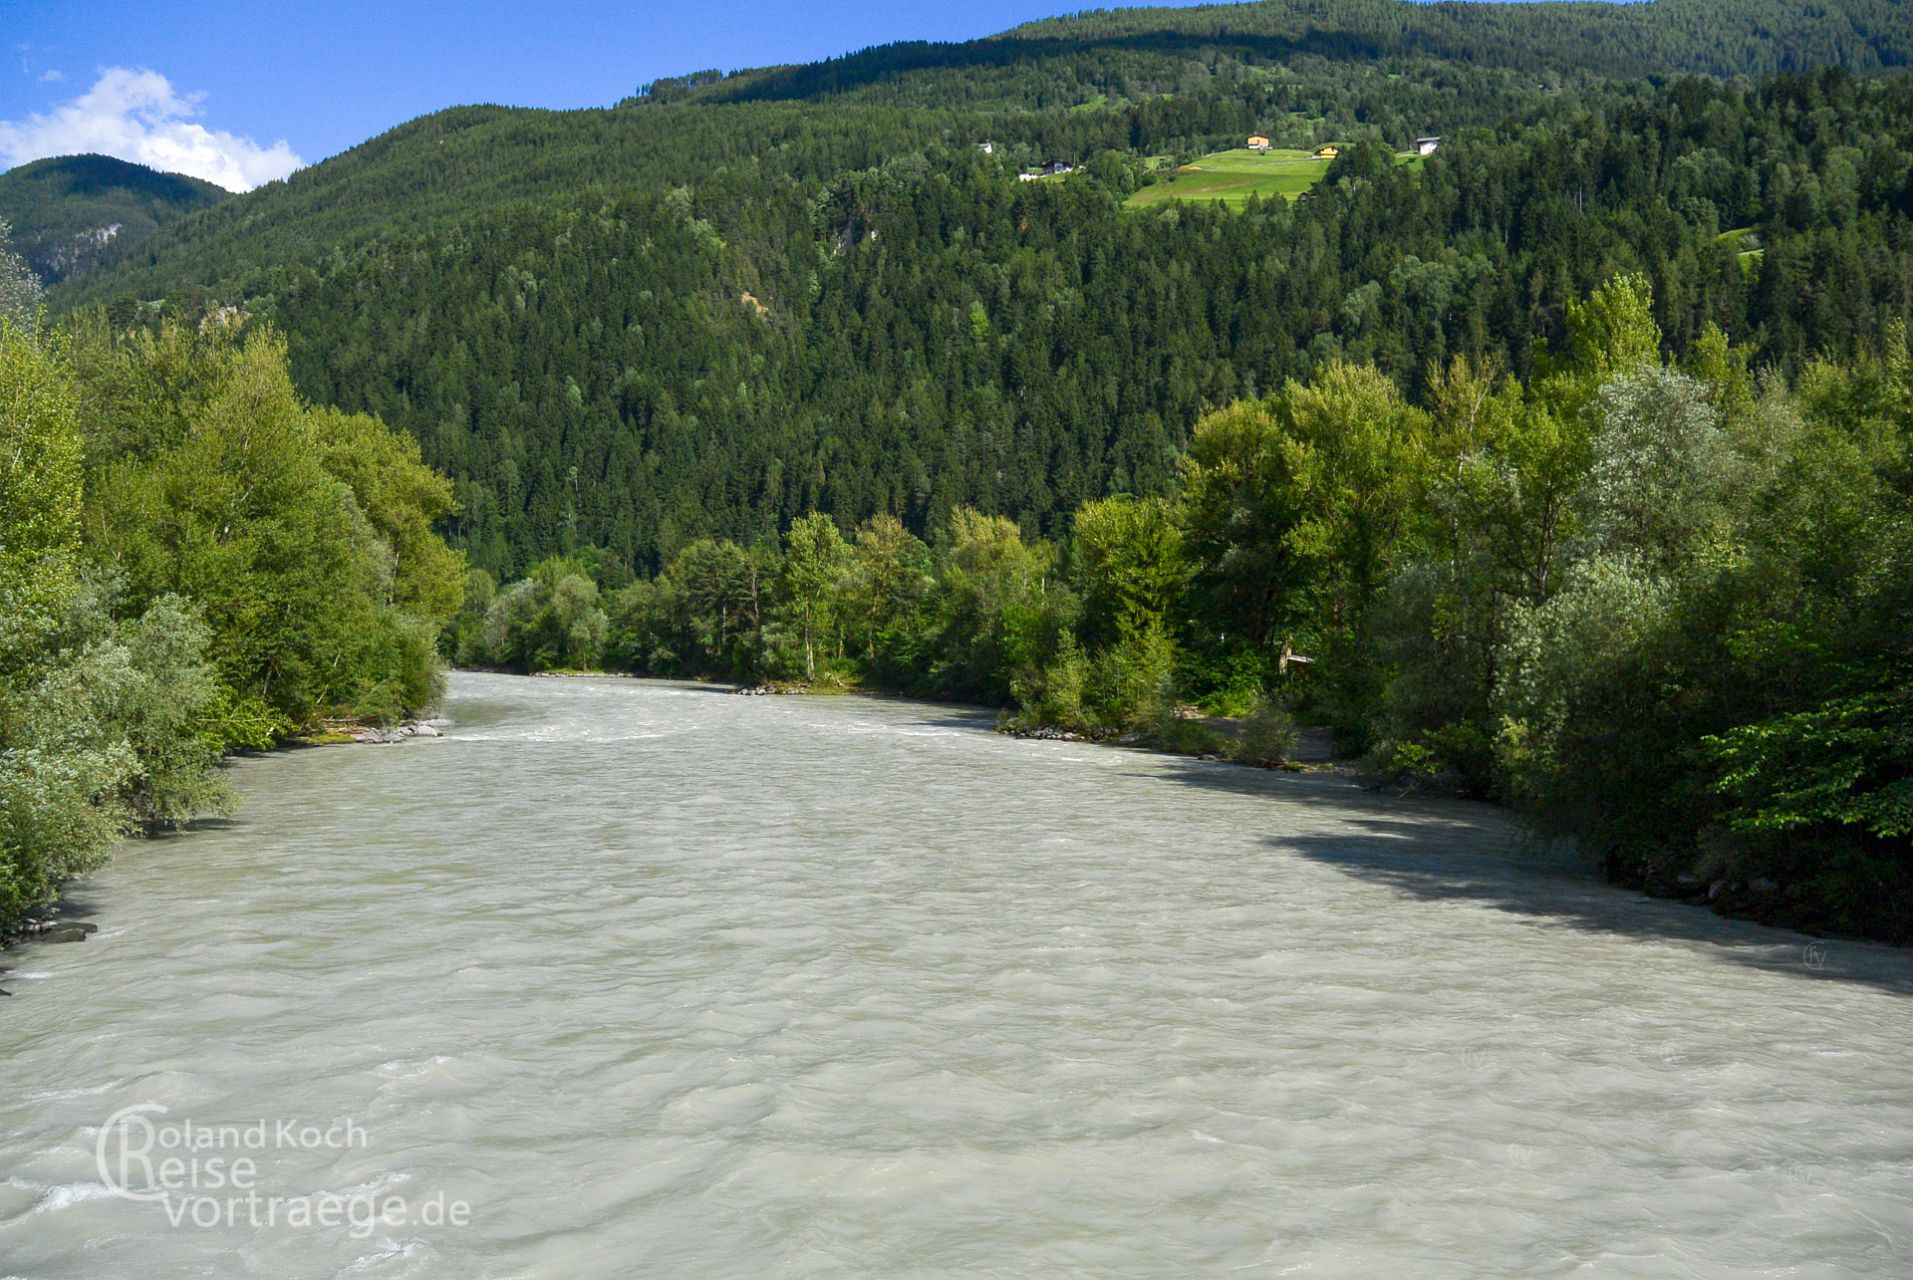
pixel 1231 177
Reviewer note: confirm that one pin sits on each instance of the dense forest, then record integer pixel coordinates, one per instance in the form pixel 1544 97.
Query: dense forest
pixel 1573 455
pixel 1142 52
pixel 679 319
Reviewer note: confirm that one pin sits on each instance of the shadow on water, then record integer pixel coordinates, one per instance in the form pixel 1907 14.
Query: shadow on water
pixel 1454 850
pixel 981 718
pixel 689 686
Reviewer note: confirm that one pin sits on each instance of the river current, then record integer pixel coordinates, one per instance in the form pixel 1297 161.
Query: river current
pixel 627 978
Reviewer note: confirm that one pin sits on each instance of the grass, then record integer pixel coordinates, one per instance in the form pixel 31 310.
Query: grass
pixel 1232 177
pixel 325 738
pixel 1746 245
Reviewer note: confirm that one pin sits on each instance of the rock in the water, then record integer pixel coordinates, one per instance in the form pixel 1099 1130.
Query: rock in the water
pixel 425 730
pixel 65 933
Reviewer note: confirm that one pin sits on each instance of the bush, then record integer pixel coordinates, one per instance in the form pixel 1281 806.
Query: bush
pixel 107 733
pixel 1267 737
pixel 1125 680
pixel 1160 722
pixel 1226 683
pixel 1053 696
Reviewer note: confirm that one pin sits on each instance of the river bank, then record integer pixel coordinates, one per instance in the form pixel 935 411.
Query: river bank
pixel 51 922
pixel 1762 899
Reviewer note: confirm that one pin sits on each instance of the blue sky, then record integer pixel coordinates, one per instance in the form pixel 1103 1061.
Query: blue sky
pixel 242 92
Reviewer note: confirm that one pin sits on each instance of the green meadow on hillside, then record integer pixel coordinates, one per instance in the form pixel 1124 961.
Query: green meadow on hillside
pixel 1231 177
pixel 1745 242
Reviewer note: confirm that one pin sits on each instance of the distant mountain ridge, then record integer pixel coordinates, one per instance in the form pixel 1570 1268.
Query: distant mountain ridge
pixel 1632 38
pixel 69 213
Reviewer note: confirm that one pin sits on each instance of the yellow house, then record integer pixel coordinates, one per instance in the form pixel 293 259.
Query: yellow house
pixel 1327 153
pixel 1258 143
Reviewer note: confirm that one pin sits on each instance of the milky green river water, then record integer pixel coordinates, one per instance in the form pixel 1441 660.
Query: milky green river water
pixel 653 981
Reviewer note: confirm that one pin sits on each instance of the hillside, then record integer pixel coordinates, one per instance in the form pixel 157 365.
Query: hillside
pixel 731 298
pixel 69 213
pixel 1137 51
pixel 1133 80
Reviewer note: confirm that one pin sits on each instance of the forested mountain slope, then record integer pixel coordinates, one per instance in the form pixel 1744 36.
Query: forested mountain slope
pixel 1141 51
pixel 731 299
pixel 69 212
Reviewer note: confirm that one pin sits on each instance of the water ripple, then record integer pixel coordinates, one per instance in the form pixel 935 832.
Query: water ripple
pixel 663 982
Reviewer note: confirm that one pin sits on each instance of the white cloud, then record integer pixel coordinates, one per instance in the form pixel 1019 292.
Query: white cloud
pixel 52 77
pixel 137 116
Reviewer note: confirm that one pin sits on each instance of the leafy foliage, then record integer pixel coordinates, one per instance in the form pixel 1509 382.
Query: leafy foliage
pixel 191 560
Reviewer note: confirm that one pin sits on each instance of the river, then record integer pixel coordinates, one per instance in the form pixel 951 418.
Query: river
pixel 633 978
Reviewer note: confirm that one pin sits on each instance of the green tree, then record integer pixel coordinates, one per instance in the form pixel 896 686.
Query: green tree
pixel 242 516
pixel 887 578
pixel 814 557
pixel 41 471
pixel 1359 457
pixel 1237 506
pixel 403 500
pixel 209 478
pixel 1129 566
pixel 1660 469
pixel 999 611
pixel 103 726
pixel 19 288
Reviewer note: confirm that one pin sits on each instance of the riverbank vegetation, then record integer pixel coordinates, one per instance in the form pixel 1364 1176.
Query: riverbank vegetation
pixel 192 560
pixel 1564 466
pixel 1666 606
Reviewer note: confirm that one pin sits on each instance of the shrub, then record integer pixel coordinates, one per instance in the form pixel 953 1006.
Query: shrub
pixel 1160 722
pixel 1268 735
pixel 1124 679
pixel 1053 696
